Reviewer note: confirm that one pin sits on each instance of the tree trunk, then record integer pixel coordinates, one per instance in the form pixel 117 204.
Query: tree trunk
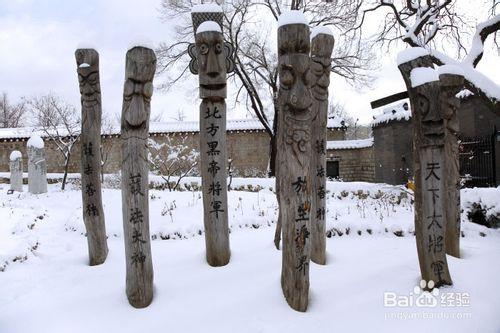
pixel 65 176
pixel 87 61
pixel 293 162
pixel 450 86
pixel 321 51
pixel 139 73
pixel 428 134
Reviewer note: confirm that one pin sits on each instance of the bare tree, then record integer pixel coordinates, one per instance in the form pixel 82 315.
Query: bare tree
pixel 107 146
pixel 419 24
pixel 60 122
pixel 173 158
pixel 11 115
pixel 255 74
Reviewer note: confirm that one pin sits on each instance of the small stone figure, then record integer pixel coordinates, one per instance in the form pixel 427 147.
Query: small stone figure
pixel 37 166
pixel 16 171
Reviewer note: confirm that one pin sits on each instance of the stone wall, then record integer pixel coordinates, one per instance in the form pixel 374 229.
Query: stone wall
pixel 393 150
pixel 355 165
pixel 249 151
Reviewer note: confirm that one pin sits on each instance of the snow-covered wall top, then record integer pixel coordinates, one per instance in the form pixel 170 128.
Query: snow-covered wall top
pixel 35 141
pixel 157 128
pixel 15 155
pixel 206 8
pixel 208 26
pixel 399 111
pixel 292 17
pixel 349 144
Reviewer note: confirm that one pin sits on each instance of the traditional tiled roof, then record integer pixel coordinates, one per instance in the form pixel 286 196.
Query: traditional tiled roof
pixel 349 144
pixel 233 125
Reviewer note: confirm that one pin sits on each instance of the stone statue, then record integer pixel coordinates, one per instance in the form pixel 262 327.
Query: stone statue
pixel 37 166
pixel 16 171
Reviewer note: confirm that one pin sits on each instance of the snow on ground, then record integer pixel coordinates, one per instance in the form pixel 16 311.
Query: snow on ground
pixel 50 287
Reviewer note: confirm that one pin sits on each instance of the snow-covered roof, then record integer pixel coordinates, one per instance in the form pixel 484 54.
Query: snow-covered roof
pixel 349 144
pixel 397 111
pixel 157 128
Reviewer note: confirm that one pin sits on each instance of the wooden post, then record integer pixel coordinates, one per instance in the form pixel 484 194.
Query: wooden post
pixel 293 161
pixel 139 72
pixel 450 86
pixel 16 171
pixel 87 61
pixel 429 167
pixel 321 52
pixel 37 166
pixel 210 53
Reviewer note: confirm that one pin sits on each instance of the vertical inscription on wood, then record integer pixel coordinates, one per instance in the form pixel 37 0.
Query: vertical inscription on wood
pixel 211 61
pixel 16 171
pixel 87 61
pixel 321 51
pixel 37 166
pixel 450 85
pixel 294 158
pixel 139 72
pixel 430 221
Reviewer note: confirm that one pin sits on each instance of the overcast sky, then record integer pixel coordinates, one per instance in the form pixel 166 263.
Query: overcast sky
pixel 38 40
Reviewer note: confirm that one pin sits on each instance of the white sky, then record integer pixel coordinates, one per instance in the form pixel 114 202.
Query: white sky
pixel 38 40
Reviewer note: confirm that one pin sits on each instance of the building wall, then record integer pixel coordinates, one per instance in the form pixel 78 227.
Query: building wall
pixel 249 151
pixel 476 118
pixel 354 164
pixel 393 151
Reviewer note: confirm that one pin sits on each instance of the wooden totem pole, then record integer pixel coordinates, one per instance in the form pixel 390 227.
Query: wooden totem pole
pixel 450 86
pixel 139 72
pixel 87 61
pixel 211 60
pixel 429 169
pixel 294 158
pixel 321 52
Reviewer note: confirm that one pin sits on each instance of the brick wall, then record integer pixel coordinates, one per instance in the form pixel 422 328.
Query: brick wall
pixel 354 164
pixel 249 151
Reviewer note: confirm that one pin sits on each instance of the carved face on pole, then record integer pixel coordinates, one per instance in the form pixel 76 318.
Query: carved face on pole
pixel 294 69
pixel 87 61
pixel 432 120
pixel 321 51
pixel 211 58
pixel 138 89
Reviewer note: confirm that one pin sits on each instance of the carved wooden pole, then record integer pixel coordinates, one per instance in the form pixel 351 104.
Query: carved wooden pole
pixel 16 171
pixel 87 61
pixel 293 159
pixel 450 86
pixel 429 167
pixel 211 60
pixel 321 52
pixel 37 166
pixel 139 72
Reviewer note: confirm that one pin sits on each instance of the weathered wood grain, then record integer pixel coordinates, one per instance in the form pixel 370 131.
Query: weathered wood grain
pixel 293 161
pixel 450 86
pixel 428 143
pixel 139 72
pixel 212 66
pixel 87 61
pixel 321 52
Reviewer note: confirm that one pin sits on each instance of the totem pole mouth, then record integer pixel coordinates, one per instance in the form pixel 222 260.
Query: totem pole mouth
pixel 295 110
pixel 320 93
pixel 433 129
pixel 215 86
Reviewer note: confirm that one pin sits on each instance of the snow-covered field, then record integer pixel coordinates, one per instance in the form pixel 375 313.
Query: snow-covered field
pixel 47 286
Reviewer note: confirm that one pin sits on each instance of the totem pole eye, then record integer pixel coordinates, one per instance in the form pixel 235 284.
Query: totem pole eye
pixel 128 89
pixel 218 48
pixel 286 77
pixel 203 49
